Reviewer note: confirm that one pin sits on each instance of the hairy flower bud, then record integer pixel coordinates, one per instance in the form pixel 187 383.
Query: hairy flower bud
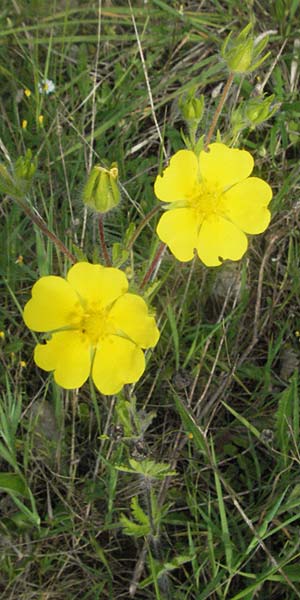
pixel 241 53
pixel 253 112
pixel 101 191
pixel 192 107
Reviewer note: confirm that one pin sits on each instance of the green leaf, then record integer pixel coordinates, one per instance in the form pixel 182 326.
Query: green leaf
pixel 174 332
pixel 136 529
pixel 190 425
pixel 223 516
pixel 244 421
pixel 13 484
pixel 147 468
pixel 32 517
pixel 287 418
pixel 138 512
pixel 150 468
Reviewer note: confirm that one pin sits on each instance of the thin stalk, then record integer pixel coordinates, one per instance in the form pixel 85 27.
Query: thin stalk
pixel 159 252
pixel 37 220
pixel 141 226
pixel 102 242
pixel 218 109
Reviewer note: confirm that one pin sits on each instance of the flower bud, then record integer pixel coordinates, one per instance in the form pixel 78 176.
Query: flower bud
pixel 241 54
pixel 24 170
pixel 192 107
pixel 17 183
pixel 259 109
pixel 101 191
pixel 253 112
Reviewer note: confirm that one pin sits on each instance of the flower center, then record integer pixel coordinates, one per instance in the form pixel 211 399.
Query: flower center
pixel 206 201
pixel 94 323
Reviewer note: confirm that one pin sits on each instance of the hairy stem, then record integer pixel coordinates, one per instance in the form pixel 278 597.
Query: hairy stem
pixel 37 220
pixel 102 242
pixel 218 109
pixel 155 261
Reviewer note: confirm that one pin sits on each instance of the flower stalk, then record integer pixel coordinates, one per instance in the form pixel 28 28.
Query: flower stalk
pixel 103 242
pixel 37 220
pixel 219 109
pixel 154 263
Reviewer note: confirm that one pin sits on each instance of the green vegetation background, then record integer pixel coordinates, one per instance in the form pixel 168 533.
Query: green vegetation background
pixel 219 400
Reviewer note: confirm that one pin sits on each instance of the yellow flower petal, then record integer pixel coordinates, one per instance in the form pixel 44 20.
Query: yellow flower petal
pixel 178 229
pixel 246 202
pixel 179 178
pixel 117 361
pixel 52 301
pixel 95 283
pixel 219 238
pixel 225 166
pixel 130 315
pixel 68 355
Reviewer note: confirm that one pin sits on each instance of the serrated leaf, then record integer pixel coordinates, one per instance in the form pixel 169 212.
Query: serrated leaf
pixel 134 529
pixel 138 512
pixel 150 468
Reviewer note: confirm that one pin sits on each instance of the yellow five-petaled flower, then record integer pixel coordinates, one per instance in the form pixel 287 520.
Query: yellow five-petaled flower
pixel 96 327
pixel 213 204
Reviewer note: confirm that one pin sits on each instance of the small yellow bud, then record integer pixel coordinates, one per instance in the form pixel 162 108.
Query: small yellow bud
pixel 129 272
pixel 101 191
pixel 19 260
pixel 190 436
pixel 24 124
pixel 41 119
pixel 2 335
pixel 27 92
pixel 22 364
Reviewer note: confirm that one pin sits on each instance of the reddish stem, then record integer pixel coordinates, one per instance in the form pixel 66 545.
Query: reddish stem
pixel 159 252
pixel 102 242
pixel 218 109
pixel 37 220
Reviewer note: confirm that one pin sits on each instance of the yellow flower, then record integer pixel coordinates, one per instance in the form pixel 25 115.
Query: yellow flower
pixel 213 203
pixel 96 327
pixel 24 124
pixel 27 92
